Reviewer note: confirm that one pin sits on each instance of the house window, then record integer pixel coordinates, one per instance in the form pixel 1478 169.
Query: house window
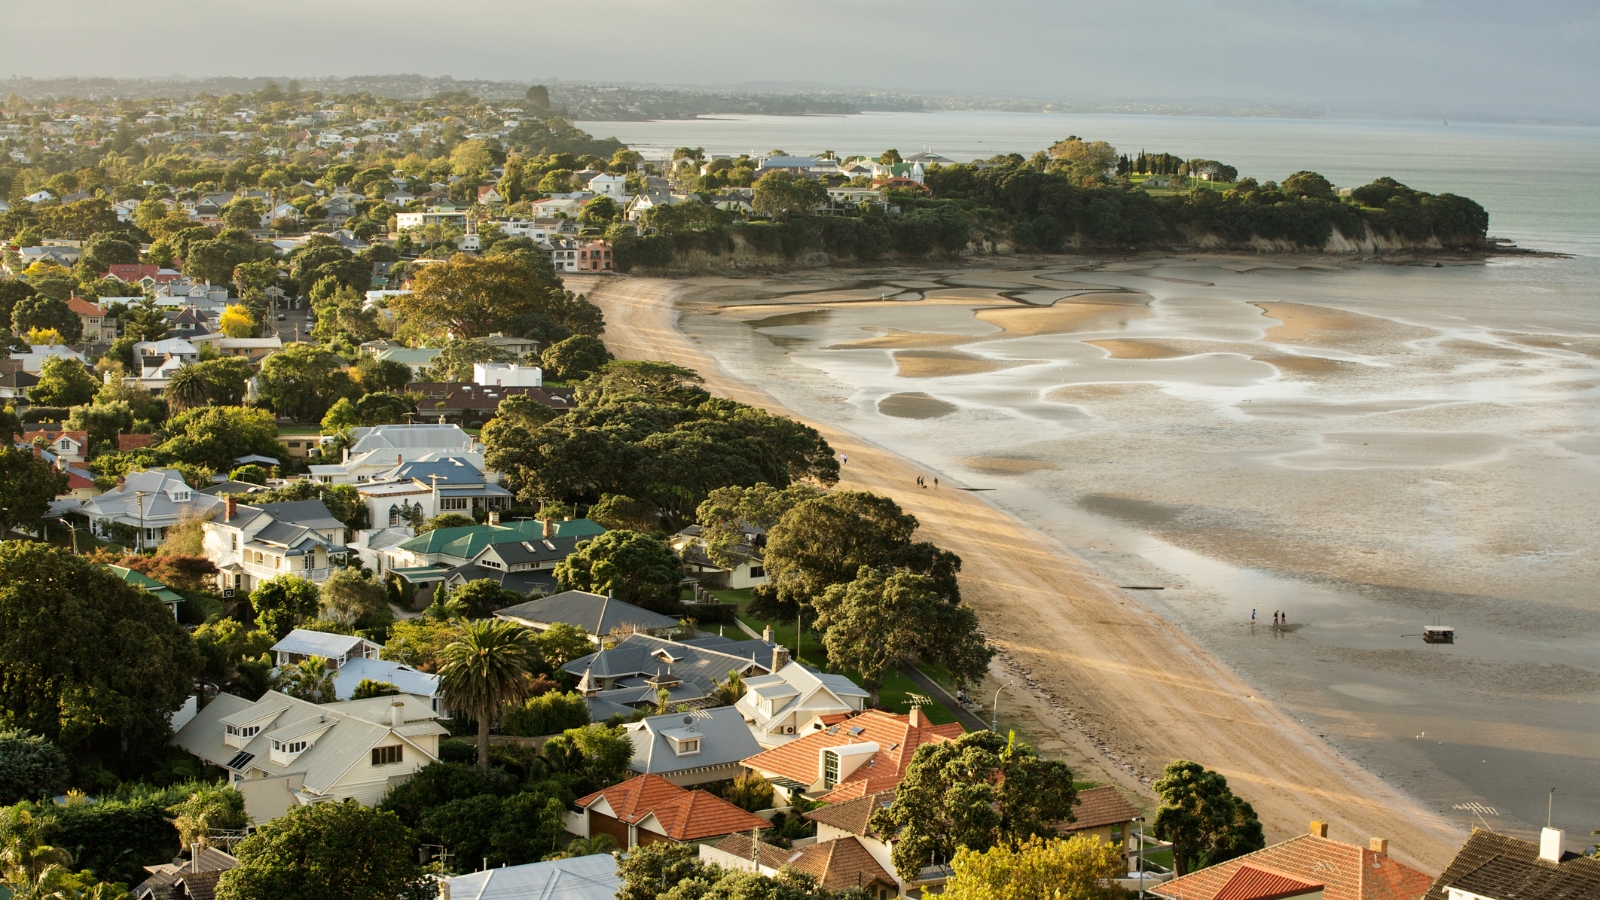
pixel 453 503
pixel 290 747
pixel 386 756
pixel 758 572
pixel 830 769
pixel 394 516
pixel 689 748
pixel 235 538
pixel 249 731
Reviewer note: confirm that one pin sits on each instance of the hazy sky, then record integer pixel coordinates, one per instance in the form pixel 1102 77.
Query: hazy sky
pixel 1541 58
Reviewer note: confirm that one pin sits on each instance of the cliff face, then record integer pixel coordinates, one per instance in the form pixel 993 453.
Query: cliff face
pixel 1337 244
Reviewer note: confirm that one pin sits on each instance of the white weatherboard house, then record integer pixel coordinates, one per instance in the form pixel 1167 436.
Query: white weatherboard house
pixel 281 752
pixel 154 501
pixel 506 375
pixel 791 702
pixel 377 449
pixel 354 660
pixel 251 544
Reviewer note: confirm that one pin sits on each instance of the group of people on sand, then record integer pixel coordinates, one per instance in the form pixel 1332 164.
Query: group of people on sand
pixel 1279 618
pixel 922 482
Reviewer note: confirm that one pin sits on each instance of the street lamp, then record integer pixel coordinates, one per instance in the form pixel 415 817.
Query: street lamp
pixel 994 710
pixel 139 496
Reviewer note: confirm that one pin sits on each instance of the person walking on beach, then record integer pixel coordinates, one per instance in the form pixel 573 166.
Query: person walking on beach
pixel 936 482
pixel 1252 617
pixel 844 458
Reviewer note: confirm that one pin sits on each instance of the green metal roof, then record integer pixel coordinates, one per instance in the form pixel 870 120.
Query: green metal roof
pixel 470 540
pixel 139 579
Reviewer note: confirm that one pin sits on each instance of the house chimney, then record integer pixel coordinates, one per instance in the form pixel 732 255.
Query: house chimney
pixel 399 460
pixel 397 713
pixel 494 517
pixel 194 857
pixel 766 634
pixel 780 657
pixel 1320 829
pixel 1550 843
pixel 1378 845
pixel 549 529
pixel 232 508
pixel 915 719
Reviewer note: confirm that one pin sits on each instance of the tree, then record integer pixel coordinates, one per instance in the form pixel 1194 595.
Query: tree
pixel 301 381
pixel 1202 818
pixel 597 754
pixel 470 296
pixel 237 322
pixel 350 595
pixel 1078 868
pixel 1310 185
pixel 309 679
pixel 878 621
pixel 457 357
pixel 28 485
pixel 220 382
pixel 31 767
pixel 212 808
pixel 102 421
pixel 47 312
pixel 484 672
pixel 446 520
pixel 779 194
pixel 727 511
pixel 825 541
pixel 383 374
pixel 64 382
pixel 282 603
pixel 367 688
pixel 419 642
pixel 562 643
pixel 635 568
pixel 548 713
pixel 575 358
pixel 649 869
pixel 216 436
pixel 480 597
pixel 328 850
pixel 85 653
pixel 617 512
pixel 978 791
pixel 750 792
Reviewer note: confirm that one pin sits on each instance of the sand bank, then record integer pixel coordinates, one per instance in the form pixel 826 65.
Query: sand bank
pixel 1127 690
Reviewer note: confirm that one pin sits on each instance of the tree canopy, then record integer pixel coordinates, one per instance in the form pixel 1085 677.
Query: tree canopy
pixel 635 568
pixel 1202 818
pixel 328 850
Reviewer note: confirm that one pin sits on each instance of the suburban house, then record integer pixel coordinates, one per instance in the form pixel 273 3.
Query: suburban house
pixel 515 347
pixel 66 446
pixel 33 361
pixel 253 349
pixel 464 400
pixel 16 385
pixel 418 358
pixel 749 571
pixel 796 701
pixel 1310 866
pixel 449 484
pixel 97 326
pixel 403 677
pixel 281 752
pixel 150 502
pixel 592 877
pixel 191 879
pixel 838 864
pixel 336 650
pixel 251 544
pixel 630 674
pixel 652 810
pixel 852 820
pixel 379 448
pixel 1492 866
pixel 494 374
pixel 1102 813
pixel 547 543
pixel 598 615
pixel 863 754
pixel 691 748
pixel 140 580
pixel 159 359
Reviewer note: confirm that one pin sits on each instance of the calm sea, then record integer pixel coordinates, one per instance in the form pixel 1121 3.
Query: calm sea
pixel 1541 184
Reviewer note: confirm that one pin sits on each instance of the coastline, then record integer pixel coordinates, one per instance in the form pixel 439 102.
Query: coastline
pixel 1122 686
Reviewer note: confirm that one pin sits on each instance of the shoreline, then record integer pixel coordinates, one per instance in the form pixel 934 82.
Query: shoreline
pixel 1131 690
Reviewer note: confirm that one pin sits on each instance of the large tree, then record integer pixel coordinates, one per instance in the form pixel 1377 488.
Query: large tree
pixel 486 671
pixel 64 382
pixel 216 436
pixel 1202 818
pixel 84 654
pixel 28 485
pixel 31 767
pixel 574 358
pixel 284 602
pixel 879 620
pixel 46 313
pixel 633 567
pixel 473 296
pixel 341 850
pixel 350 595
pixel 978 791
pixel 779 194
pixel 726 512
pixel 302 380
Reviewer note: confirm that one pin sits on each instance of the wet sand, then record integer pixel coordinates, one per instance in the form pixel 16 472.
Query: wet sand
pixel 1124 689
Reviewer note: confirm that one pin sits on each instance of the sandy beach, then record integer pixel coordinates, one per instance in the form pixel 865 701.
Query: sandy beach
pixel 1124 688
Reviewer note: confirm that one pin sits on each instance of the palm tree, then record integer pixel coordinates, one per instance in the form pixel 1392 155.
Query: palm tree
pixel 188 388
pixel 29 866
pixel 485 671
pixel 731 690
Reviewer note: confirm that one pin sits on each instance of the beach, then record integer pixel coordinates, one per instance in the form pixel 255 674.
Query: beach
pixel 1124 688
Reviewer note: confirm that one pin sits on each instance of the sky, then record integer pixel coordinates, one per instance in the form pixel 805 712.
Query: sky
pixel 1530 58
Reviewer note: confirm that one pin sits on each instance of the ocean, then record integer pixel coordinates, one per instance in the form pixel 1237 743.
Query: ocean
pixel 1369 448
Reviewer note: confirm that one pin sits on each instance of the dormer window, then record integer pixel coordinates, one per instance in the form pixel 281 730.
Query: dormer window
pixel 289 747
pixel 689 747
pixel 248 731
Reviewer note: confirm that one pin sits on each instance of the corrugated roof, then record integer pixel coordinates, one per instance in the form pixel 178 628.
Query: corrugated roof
pixel 1349 872
pixel 594 613
pixel 580 878
pixel 723 736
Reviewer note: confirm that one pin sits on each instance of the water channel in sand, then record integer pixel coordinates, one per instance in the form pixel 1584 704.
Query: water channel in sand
pixel 1369 448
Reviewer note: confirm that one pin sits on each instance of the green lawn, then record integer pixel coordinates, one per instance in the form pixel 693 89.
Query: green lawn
pixel 300 429
pixel 896 689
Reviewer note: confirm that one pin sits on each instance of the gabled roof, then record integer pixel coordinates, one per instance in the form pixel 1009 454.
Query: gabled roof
pixel 722 734
pixel 838 865
pixel 141 580
pixel 581 878
pixel 897 737
pixel 1489 859
pixel 682 815
pixel 468 541
pixel 1252 882
pixel 83 307
pixel 304 642
pixel 642 654
pixel 631 800
pixel 1099 807
pixel 1348 872
pixel 855 815
pixel 594 613
pixel 404 677
pixel 290 516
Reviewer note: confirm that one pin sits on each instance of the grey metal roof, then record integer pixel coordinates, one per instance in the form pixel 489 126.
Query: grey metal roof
pixel 320 643
pixel 596 614
pixel 580 878
pixel 724 739
pixel 409 437
pixel 633 656
pixel 404 677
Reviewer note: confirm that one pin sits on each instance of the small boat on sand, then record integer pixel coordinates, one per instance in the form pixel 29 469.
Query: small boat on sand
pixel 1438 634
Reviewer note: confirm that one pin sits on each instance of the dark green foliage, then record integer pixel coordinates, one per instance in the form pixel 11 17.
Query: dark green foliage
pixel 85 656
pixel 635 568
pixel 341 850
pixel 575 358
pixel 1202 818
pixel 31 768
pixel 481 597
pixel 549 713
pixel 513 830
pixel 367 688
pixel 116 836
pixel 28 484
pixel 438 783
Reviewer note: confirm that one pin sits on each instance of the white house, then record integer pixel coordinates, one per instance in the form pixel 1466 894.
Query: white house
pixel 281 752
pixel 33 360
pixel 377 449
pixel 748 571
pixel 251 544
pixel 154 501
pixel 592 877
pixel 795 701
pixel 506 374
pixel 354 660
pixel 302 644
pixel 613 186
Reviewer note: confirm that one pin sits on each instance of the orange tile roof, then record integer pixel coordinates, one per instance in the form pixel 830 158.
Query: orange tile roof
pixel 772 856
pixel 134 441
pixel 683 815
pixel 698 815
pixel 633 799
pixel 1349 872
pixel 1099 807
pixel 854 816
pixel 897 737
pixel 83 307
pixel 838 865
pixel 1251 882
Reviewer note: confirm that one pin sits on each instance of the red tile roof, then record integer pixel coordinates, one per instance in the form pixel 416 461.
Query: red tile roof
pixel 1255 883
pixel 838 865
pixel 682 814
pixel 854 816
pixel 134 441
pixel 1099 807
pixel 130 272
pixel 897 737
pixel 83 307
pixel 1349 872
